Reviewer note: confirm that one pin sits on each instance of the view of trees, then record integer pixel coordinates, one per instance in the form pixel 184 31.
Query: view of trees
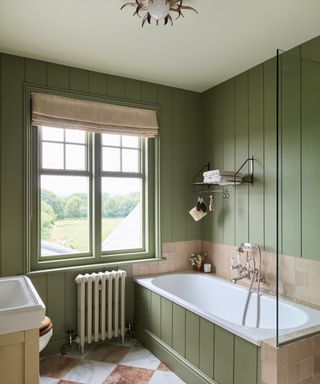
pixel 75 206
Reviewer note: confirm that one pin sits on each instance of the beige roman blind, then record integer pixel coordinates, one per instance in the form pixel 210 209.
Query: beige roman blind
pixel 65 112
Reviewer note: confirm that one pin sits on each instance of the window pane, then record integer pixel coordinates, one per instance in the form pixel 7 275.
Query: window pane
pixel 64 215
pixel 130 160
pixel 75 136
pixel 111 159
pixel 130 141
pixel 75 157
pixel 121 213
pixel 52 155
pixel 113 140
pixel 52 134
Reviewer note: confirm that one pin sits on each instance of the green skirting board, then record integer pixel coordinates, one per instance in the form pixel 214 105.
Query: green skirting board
pixel 197 350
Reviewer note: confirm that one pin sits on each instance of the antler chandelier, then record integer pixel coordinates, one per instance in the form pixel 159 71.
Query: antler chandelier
pixel 158 9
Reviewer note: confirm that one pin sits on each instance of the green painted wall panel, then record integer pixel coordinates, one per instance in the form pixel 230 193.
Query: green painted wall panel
pixel 256 148
pixel 36 72
pixel 166 321
pixel 229 158
pixel 155 314
pixel 132 89
pixel 116 86
pixel 291 156
pixel 40 283
pixel 310 155
pixel 58 76
pixel 179 329
pixel 149 92
pixel 179 154
pixel 270 154
pixel 241 153
pixel 223 356
pixel 192 338
pixel 71 300
pixel 98 83
pixel 79 80
pixel 245 362
pixel 206 347
pixel 194 127
pixel 56 301
pixel 166 174
pixel 12 166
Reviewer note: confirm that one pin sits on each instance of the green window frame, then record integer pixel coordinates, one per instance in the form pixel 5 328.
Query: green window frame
pixel 148 175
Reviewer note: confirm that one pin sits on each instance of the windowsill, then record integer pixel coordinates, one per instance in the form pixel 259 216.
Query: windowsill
pixel 88 267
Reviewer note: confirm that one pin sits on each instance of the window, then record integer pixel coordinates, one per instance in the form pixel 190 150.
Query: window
pixel 93 197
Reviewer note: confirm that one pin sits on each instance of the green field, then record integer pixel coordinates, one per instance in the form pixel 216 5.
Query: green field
pixel 73 233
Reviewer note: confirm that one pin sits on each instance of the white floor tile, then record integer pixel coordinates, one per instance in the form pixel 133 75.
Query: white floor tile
pixel 140 358
pixel 90 372
pixel 160 377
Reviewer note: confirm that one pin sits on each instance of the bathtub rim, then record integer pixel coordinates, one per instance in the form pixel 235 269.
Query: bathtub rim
pixel 239 330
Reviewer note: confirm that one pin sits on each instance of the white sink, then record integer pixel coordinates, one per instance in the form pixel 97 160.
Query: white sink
pixel 21 307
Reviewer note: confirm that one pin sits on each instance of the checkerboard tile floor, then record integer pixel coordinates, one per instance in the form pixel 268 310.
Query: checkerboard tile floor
pixel 107 364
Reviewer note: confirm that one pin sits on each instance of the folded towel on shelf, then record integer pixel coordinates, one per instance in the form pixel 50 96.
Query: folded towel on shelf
pixel 222 179
pixel 220 172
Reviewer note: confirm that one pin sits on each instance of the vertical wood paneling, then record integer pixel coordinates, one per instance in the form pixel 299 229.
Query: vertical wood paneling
pixel 79 80
pixel 290 238
pixel 192 338
pixel 98 83
pixel 166 136
pixel 241 152
pixel 155 314
pixel 179 329
pixel 223 356
pixel 116 86
pixel 12 166
pixel 310 155
pixel 166 321
pixel 194 125
pixel 36 72
pixel 56 304
pixel 149 92
pixel 229 159
pixel 245 362
pixel 71 300
pixel 58 76
pixel 218 149
pixel 270 154
pixel 179 174
pixel 132 89
pixel 208 109
pixel 256 148
pixel 40 283
pixel 206 347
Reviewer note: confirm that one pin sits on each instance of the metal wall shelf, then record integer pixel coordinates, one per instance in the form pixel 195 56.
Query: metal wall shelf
pixel 249 179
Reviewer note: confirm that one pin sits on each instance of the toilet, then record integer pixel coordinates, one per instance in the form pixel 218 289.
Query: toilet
pixel 45 333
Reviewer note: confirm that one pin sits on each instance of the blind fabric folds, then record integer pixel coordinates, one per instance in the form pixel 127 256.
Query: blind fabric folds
pixel 64 112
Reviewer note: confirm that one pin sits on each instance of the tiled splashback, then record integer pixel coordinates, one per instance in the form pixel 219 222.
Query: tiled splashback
pixel 299 278
pixel 175 259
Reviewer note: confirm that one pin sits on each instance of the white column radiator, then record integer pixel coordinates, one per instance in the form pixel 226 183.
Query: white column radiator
pixel 101 306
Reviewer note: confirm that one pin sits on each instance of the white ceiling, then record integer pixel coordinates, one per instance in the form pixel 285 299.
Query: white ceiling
pixel 199 51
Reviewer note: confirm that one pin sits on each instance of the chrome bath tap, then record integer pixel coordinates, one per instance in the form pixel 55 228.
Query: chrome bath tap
pixel 249 271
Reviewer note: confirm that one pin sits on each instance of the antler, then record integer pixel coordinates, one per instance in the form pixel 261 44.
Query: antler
pixel 190 8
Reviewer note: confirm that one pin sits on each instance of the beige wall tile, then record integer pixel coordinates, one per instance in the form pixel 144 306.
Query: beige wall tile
pixel 306 368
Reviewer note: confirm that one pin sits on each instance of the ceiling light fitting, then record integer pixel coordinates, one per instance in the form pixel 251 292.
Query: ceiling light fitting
pixel 158 9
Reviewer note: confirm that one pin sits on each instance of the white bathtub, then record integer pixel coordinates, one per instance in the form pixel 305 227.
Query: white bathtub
pixel 223 303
